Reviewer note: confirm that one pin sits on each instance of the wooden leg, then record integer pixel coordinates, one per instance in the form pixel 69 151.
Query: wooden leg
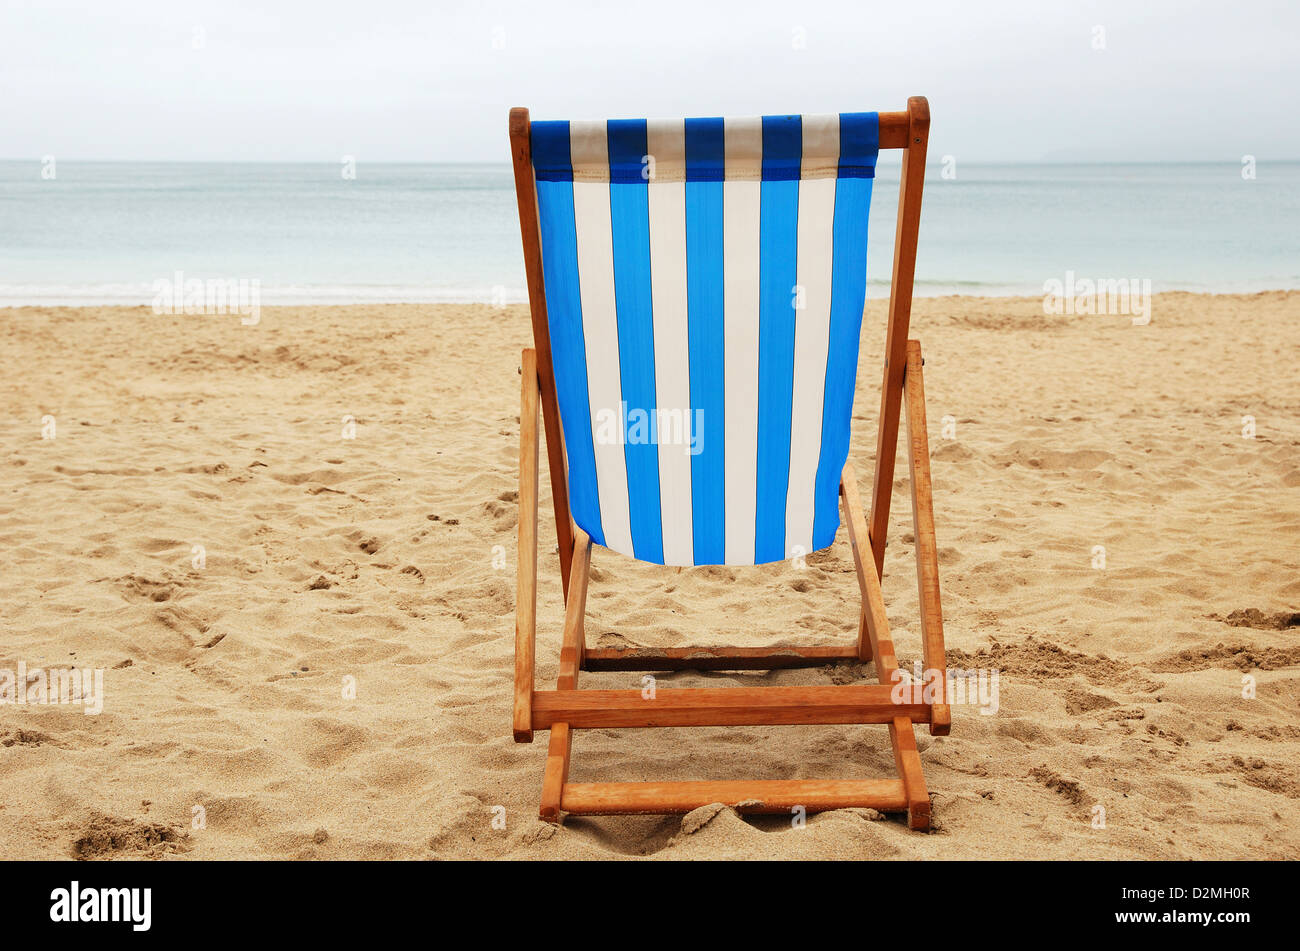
pixel 526 584
pixel 857 532
pixel 908 763
pixel 911 183
pixel 530 232
pixel 865 652
pixel 557 771
pixel 873 622
pixel 907 760
pixel 575 641
pixel 561 746
pixel 927 551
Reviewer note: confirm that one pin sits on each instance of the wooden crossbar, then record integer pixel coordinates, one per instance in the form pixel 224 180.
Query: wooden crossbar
pixel 566 708
pixel 749 796
pixel 716 658
pixel 721 706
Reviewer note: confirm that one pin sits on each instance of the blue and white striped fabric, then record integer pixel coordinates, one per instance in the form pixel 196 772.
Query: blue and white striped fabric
pixel 705 280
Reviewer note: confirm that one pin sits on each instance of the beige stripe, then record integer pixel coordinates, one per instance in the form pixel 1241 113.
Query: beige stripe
pixel 589 150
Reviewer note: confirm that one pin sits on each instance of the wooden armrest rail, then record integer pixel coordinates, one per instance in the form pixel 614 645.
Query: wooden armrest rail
pixel 927 550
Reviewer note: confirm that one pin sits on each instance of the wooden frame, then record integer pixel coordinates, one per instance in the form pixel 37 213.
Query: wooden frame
pixel 566 708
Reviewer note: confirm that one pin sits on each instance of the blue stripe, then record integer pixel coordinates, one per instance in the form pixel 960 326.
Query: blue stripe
pixel 569 349
pixel 627 151
pixel 859 144
pixel 705 164
pixel 629 207
pixel 551 158
pixel 782 148
pixel 706 154
pixel 848 294
pixel 778 271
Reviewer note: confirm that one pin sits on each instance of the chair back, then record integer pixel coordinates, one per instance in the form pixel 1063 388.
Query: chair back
pixel 704 285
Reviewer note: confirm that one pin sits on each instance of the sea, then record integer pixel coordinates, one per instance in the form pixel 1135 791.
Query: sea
pixel 81 233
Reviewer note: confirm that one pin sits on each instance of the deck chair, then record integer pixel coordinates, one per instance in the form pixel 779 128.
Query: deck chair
pixel 713 271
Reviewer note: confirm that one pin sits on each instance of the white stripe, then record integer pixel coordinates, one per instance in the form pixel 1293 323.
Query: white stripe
pixel 589 151
pixel 666 142
pixel 600 333
pixel 821 146
pixel 740 226
pixel 812 324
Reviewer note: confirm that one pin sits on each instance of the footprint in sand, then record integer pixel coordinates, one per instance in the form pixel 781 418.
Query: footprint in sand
pixel 1260 620
pixel 104 836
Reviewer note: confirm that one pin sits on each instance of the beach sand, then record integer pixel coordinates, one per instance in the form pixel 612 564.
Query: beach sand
pixel 389 559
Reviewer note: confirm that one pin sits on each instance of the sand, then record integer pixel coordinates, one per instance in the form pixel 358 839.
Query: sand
pixel 387 561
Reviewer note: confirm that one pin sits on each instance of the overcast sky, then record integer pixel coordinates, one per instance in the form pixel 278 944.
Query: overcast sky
pixel 431 80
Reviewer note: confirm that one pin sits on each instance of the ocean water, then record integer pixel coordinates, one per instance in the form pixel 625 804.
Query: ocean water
pixel 104 232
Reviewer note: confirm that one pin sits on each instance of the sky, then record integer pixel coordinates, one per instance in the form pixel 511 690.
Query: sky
pixel 431 80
